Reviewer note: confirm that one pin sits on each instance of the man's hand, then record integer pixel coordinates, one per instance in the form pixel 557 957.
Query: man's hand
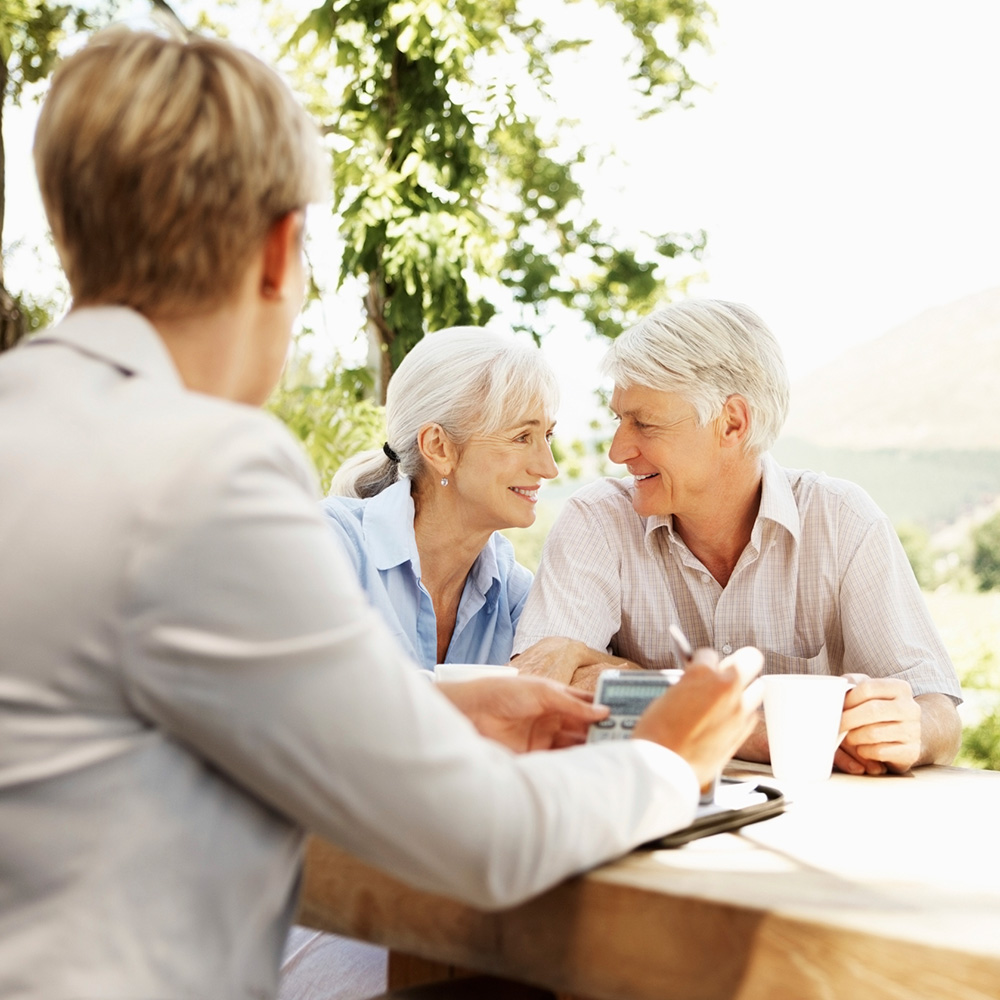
pixel 525 713
pixel 587 676
pixel 560 658
pixel 888 729
pixel 707 715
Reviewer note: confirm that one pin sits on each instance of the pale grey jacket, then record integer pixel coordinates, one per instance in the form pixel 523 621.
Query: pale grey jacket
pixel 190 676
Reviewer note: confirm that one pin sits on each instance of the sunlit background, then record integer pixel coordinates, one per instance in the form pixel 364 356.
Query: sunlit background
pixel 842 159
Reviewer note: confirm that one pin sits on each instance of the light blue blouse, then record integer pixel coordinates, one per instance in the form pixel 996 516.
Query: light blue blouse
pixel 378 536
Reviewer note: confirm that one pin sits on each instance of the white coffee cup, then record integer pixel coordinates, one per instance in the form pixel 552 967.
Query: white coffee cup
pixel 472 671
pixel 803 713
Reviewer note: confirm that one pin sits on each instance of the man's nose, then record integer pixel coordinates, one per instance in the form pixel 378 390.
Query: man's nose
pixel 622 449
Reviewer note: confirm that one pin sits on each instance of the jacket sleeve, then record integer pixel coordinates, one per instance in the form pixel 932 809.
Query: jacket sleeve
pixel 251 643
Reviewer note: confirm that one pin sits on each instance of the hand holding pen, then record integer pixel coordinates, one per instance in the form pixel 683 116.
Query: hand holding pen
pixel 743 666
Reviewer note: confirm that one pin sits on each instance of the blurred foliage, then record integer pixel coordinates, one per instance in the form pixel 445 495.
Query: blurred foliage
pixel 528 542
pixel 23 316
pixel 981 743
pixel 31 33
pixel 333 417
pixel 452 197
pixel 916 542
pixel 986 553
pixel 969 623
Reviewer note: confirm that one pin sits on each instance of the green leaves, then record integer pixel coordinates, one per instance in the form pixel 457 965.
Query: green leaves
pixel 444 182
pixel 331 417
pixel 986 553
pixel 31 32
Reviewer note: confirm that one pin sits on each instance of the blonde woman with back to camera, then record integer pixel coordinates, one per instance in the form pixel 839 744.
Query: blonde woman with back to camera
pixel 190 676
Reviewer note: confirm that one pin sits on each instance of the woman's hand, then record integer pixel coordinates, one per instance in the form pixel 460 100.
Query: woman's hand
pixel 525 713
pixel 708 713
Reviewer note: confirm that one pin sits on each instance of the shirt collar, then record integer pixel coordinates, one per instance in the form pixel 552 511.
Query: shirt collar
pixel 777 502
pixel 485 574
pixel 388 527
pixel 119 336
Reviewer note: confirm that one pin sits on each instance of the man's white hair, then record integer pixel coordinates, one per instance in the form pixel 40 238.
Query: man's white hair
pixel 705 351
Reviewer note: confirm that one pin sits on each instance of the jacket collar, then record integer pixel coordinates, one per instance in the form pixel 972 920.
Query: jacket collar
pixel 117 335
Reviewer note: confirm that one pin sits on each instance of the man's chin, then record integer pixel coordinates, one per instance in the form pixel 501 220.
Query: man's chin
pixel 647 508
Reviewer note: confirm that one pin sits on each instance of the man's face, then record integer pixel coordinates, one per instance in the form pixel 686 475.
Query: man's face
pixel 676 463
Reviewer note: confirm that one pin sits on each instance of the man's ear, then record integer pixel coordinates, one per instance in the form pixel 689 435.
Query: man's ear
pixel 282 242
pixel 734 422
pixel 437 449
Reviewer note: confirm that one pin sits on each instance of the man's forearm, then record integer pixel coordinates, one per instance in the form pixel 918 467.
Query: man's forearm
pixel 940 729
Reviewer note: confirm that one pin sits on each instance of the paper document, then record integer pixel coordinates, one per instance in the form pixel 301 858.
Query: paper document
pixel 732 795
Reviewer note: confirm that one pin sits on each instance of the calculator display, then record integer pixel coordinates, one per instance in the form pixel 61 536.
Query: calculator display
pixel 627 693
pixel 631 698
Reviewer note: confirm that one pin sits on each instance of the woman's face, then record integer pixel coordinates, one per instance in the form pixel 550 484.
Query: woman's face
pixel 497 475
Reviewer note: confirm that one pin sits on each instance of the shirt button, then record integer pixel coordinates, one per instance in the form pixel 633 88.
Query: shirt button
pixel 727 649
pixel 705 578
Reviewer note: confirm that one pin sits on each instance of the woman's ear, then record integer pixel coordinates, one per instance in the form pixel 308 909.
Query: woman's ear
pixel 282 244
pixel 437 449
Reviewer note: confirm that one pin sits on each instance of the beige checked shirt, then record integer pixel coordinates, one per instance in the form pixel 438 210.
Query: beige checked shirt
pixel 823 586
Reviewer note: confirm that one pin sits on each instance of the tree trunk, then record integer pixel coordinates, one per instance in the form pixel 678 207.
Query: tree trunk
pixel 379 335
pixel 12 322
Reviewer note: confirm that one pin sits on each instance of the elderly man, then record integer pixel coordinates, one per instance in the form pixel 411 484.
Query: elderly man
pixel 711 533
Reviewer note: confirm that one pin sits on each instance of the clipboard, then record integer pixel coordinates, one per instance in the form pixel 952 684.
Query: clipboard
pixel 721 820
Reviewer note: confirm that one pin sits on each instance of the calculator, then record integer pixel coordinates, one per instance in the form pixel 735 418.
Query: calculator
pixel 627 693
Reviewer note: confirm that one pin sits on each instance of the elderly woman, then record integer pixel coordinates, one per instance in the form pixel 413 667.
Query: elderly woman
pixel 469 417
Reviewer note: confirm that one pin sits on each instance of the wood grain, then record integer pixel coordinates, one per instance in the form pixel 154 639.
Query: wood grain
pixel 881 888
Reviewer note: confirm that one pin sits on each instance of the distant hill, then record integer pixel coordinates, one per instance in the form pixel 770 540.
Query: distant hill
pixel 933 488
pixel 931 384
pixel 911 416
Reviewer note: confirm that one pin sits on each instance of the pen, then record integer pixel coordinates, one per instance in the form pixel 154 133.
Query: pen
pixel 707 796
pixel 682 642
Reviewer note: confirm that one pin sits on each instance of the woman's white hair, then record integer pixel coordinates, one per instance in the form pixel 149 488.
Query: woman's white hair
pixel 468 380
pixel 705 351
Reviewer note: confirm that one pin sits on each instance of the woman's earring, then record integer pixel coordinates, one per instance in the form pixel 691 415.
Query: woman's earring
pixel 444 482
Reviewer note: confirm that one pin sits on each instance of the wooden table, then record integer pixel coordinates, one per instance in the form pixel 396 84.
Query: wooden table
pixel 866 888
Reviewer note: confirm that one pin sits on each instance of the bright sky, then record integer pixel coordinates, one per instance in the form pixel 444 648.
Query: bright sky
pixel 845 164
